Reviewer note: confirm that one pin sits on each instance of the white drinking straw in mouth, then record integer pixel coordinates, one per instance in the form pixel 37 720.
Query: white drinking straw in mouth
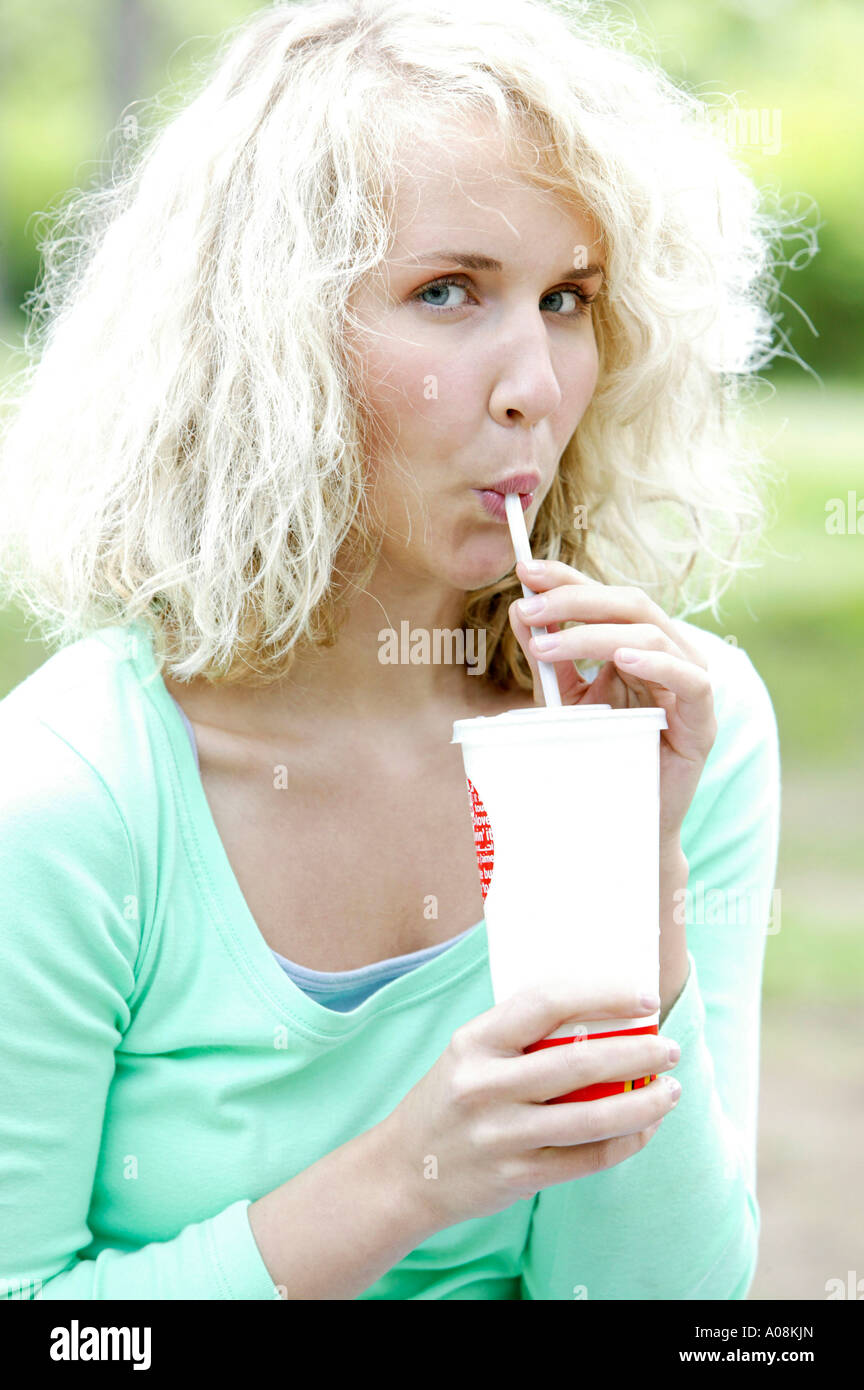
pixel 519 537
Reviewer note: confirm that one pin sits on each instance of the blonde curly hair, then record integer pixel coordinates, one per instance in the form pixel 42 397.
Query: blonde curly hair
pixel 184 450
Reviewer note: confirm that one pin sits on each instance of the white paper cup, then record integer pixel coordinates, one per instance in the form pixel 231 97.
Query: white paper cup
pixel 566 809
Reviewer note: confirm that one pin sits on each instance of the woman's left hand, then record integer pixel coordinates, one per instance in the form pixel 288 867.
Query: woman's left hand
pixel 669 672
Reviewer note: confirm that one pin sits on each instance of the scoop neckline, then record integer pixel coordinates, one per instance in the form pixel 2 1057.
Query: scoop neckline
pixel 240 932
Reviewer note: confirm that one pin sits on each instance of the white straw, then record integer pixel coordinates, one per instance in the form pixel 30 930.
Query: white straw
pixel 519 537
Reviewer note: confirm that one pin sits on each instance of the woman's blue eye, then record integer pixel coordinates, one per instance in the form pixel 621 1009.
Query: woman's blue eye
pixel 439 288
pixel 583 301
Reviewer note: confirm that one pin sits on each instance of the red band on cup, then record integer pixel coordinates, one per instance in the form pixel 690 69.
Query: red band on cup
pixel 600 1088
pixel 483 841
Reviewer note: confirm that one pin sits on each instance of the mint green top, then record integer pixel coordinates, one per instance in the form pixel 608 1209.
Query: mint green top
pixel 161 1070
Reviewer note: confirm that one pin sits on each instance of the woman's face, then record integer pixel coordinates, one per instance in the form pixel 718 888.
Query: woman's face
pixel 468 383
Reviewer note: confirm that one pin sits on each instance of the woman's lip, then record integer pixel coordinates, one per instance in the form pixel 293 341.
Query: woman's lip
pixel 493 502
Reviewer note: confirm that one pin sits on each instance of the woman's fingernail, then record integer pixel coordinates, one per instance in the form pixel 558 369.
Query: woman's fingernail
pixel 545 642
pixel 533 566
pixel 527 606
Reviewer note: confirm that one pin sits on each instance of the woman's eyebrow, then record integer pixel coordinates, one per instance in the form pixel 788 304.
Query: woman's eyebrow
pixel 471 260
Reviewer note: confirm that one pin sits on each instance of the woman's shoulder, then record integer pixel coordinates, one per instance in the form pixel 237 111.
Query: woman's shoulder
pixel 63 677
pixel 75 887
pixel 740 693
pixel 740 781
pixel 68 735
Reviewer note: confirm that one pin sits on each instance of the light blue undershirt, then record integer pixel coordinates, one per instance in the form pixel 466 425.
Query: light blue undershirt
pixel 342 990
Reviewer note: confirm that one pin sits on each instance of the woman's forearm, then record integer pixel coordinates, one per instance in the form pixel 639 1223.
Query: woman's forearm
pixel 674 966
pixel 340 1224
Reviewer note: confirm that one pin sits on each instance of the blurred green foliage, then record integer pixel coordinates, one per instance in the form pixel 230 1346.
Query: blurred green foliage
pixel 801 59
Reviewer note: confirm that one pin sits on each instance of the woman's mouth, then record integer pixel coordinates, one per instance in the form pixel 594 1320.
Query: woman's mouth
pixel 493 502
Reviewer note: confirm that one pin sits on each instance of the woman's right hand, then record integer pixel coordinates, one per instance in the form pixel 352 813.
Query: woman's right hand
pixel 473 1136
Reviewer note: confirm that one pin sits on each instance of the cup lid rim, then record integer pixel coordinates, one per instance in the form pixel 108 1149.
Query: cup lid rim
pixel 545 714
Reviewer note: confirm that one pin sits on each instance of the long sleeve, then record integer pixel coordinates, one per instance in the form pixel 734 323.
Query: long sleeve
pixel 680 1219
pixel 69 941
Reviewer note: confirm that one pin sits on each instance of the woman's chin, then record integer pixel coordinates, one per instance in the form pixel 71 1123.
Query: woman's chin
pixel 466 565
pixel 478 571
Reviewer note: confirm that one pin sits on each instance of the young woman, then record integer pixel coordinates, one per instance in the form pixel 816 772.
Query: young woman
pixel 387 260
